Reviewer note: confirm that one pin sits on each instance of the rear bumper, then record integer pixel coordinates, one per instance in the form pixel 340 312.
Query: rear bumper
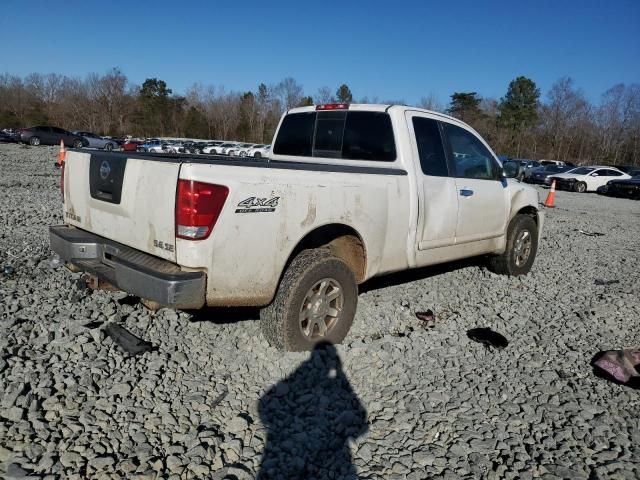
pixel 130 270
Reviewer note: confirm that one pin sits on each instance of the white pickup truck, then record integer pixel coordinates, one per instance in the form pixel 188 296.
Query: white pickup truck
pixel 350 192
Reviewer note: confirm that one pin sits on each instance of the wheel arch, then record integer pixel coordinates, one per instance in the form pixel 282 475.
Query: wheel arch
pixel 342 241
pixel 530 211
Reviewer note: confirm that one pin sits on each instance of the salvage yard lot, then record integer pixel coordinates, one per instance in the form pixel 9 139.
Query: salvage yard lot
pixel 213 399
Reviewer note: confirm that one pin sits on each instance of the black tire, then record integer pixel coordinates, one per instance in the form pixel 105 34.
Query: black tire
pixel 108 147
pixel 280 321
pixel 511 262
pixel 580 187
pixel 257 155
pixel 35 141
pixel 77 143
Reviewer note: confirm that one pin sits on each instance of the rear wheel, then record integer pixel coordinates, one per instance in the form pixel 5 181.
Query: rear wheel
pixel 108 147
pixel 581 187
pixel 35 141
pixel 257 155
pixel 77 143
pixel 522 245
pixel 315 302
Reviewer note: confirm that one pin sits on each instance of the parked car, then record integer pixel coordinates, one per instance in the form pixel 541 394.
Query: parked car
pixel 241 147
pixel 628 168
pixel 212 148
pixel 96 141
pixel 225 148
pixel 433 186
pixel 543 174
pixel 629 188
pixel 172 146
pixel 46 135
pixel 7 136
pixel 529 166
pixel 152 145
pixel 552 162
pixel 131 145
pixel 259 151
pixel 587 179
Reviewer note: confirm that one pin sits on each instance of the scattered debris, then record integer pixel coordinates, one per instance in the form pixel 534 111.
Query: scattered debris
pixel 604 281
pixel 428 317
pixel 488 337
pixel 8 271
pixel 55 262
pixel 127 340
pixel 591 234
pixel 618 366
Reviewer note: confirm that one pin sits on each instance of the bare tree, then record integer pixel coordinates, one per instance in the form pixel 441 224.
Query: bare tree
pixel 289 92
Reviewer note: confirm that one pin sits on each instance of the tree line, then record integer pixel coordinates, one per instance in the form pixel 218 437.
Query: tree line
pixel 563 124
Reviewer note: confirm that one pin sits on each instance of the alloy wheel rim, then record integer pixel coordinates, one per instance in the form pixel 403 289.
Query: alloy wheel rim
pixel 321 309
pixel 522 248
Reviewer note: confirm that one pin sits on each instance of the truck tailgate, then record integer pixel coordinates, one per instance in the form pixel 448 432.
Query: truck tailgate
pixel 128 200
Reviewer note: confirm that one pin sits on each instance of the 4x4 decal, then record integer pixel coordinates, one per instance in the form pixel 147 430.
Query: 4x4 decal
pixel 257 205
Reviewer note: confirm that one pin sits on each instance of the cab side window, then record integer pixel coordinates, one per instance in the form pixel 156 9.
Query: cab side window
pixel 469 156
pixel 432 158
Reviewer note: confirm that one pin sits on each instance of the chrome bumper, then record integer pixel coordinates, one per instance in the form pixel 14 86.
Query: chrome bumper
pixel 129 269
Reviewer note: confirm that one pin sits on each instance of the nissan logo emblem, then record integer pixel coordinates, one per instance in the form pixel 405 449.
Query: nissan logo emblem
pixel 105 170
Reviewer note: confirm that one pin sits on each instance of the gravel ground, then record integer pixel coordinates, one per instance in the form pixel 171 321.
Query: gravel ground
pixel 213 400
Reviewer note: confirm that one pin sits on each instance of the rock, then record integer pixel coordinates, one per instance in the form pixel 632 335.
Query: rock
pixel 121 389
pixel 70 459
pixel 237 424
pixel 100 463
pixel 15 414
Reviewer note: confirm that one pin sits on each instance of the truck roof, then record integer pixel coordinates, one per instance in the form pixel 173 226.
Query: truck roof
pixel 375 107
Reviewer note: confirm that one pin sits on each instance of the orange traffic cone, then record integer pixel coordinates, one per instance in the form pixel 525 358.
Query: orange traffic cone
pixel 551 197
pixel 61 154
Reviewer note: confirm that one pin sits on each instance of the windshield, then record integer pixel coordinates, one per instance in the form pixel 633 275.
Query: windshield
pixel 581 170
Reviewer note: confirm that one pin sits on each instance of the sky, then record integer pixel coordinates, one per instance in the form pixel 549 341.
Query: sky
pixel 392 49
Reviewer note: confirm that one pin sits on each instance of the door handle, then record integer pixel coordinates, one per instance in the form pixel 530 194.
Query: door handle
pixel 465 192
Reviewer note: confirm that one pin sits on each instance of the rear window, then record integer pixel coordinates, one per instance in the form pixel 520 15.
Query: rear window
pixel 337 134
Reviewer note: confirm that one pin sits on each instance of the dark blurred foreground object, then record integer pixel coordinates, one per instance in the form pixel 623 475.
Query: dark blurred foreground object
pixel 8 271
pixel 127 340
pixel 604 281
pixel 488 337
pixel 618 366
pixel 428 317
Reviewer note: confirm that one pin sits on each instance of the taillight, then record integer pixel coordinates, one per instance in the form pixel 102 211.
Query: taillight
pixel 333 106
pixel 198 206
pixel 63 167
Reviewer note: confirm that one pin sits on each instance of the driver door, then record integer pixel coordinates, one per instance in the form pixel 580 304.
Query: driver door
pixel 437 198
pixel 483 204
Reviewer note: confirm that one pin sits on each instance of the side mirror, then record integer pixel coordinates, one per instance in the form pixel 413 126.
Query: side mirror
pixel 509 170
pixel 594 174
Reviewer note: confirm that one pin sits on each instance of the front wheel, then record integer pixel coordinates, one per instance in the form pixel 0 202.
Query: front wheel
pixel 108 147
pixel 77 144
pixel 581 187
pixel 522 245
pixel 257 155
pixel 315 302
pixel 35 141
